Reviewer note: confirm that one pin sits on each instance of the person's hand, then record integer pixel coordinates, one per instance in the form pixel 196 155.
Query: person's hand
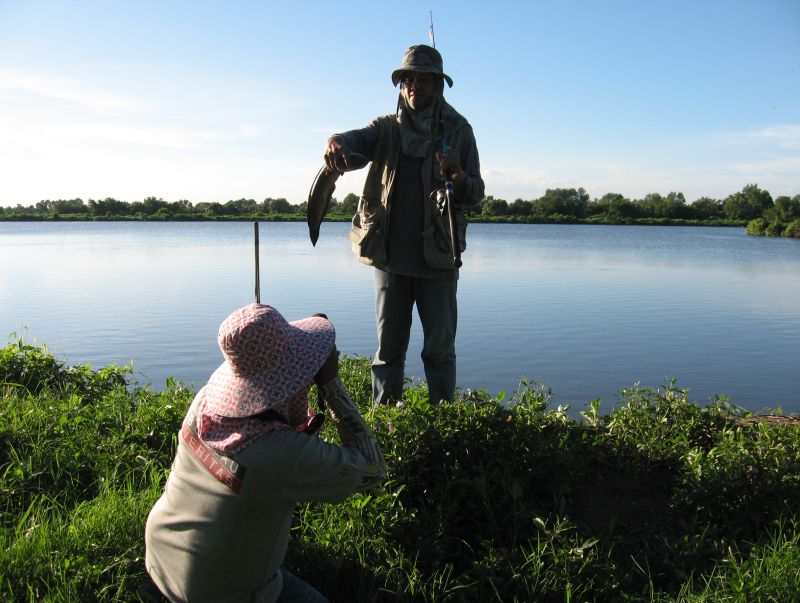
pixel 329 370
pixel 337 155
pixel 449 165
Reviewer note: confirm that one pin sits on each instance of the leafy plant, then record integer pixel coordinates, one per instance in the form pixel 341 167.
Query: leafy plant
pixel 489 498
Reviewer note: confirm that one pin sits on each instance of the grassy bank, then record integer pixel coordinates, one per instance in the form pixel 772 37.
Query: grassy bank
pixel 489 499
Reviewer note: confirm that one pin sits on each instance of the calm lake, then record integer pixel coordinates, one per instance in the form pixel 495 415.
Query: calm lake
pixel 583 310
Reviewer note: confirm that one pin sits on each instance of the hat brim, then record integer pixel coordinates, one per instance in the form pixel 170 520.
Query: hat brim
pixel 397 74
pixel 310 343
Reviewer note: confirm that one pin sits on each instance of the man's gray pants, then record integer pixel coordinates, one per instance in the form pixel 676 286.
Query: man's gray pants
pixel 395 296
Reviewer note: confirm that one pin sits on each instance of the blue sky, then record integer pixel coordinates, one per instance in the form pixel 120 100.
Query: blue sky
pixel 211 101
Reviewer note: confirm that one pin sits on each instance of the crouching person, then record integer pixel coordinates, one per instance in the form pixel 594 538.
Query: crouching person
pixel 248 451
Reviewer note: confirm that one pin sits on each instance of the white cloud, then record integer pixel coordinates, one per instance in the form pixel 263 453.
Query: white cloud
pixel 786 166
pixel 69 90
pixel 510 183
pixel 776 138
pixel 786 136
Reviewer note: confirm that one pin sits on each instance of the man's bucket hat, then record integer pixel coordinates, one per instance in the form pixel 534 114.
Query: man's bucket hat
pixel 423 59
pixel 267 360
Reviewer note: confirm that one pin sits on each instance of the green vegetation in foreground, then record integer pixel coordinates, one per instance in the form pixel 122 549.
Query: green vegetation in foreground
pixel 751 206
pixel 490 499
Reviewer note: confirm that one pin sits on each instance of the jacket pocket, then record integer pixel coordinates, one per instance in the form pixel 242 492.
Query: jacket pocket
pixel 366 233
pixel 436 242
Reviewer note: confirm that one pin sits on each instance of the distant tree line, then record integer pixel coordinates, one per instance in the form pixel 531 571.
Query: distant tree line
pixel 151 208
pixel 751 206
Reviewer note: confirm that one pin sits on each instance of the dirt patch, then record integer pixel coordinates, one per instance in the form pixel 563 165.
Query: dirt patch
pixel 773 419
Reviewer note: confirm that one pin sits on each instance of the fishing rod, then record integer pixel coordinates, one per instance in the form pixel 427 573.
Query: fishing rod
pixel 445 199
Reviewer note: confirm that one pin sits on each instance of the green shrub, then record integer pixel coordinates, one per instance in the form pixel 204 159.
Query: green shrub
pixel 489 498
pixel 792 229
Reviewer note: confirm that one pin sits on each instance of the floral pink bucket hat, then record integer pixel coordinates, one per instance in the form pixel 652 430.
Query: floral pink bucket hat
pixel 267 360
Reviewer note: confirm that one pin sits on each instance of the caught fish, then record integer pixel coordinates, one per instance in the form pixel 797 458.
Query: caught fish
pixel 319 197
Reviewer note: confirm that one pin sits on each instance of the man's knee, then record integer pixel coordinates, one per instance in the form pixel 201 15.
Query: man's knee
pixel 439 358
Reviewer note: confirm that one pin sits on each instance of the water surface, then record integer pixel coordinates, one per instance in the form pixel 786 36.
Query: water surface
pixel 584 310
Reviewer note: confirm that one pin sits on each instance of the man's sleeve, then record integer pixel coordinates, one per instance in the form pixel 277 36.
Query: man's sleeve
pixel 470 190
pixel 354 431
pixel 314 470
pixel 363 140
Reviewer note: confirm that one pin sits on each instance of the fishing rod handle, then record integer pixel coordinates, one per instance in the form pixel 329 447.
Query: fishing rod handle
pixel 450 195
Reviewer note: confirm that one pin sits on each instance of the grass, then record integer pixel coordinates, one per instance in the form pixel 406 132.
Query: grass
pixel 490 498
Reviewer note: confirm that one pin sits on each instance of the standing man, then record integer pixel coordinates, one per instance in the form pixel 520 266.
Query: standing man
pixel 398 228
